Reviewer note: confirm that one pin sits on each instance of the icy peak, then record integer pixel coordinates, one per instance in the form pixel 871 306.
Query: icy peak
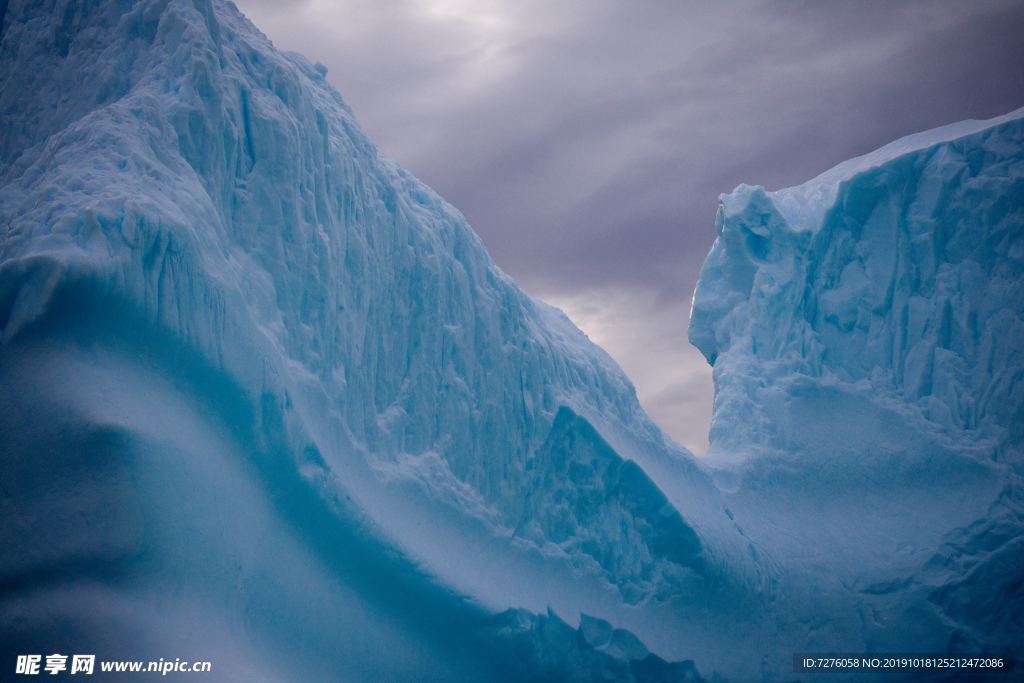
pixel 242 292
pixel 899 269
pixel 803 206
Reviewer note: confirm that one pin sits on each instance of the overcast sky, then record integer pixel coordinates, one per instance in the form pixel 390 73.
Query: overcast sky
pixel 587 141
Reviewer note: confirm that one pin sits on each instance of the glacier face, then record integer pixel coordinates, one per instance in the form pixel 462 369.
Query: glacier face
pixel 269 386
pixel 901 269
pixel 867 335
pixel 268 402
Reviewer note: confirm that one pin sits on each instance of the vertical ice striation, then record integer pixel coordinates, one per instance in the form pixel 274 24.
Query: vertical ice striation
pixel 867 335
pixel 268 402
pixel 901 269
pixel 263 382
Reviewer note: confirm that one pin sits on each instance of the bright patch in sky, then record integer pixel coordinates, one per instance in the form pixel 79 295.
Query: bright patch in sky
pixel 677 393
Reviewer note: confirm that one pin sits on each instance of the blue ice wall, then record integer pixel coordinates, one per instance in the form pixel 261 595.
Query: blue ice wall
pixel 263 382
pixel 867 335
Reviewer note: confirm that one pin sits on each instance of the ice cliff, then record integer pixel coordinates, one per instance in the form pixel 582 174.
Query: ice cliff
pixel 867 335
pixel 268 402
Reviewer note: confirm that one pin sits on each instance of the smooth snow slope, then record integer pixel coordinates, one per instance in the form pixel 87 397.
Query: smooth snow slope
pixel 268 402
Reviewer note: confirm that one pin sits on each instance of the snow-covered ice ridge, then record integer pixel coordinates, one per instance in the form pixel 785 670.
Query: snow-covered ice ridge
pixel 263 383
pixel 867 335
pixel 898 272
pixel 268 402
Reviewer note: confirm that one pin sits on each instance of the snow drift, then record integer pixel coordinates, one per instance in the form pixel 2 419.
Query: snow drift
pixel 268 402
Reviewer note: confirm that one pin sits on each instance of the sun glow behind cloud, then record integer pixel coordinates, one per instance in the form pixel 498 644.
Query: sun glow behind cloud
pixel 491 16
pixel 648 340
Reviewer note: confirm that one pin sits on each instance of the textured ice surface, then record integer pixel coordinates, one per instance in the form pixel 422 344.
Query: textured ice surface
pixel 867 336
pixel 266 397
pixel 268 402
pixel 900 269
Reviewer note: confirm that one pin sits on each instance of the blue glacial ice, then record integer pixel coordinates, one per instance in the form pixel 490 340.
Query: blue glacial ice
pixel 268 402
pixel 866 331
pixel 261 382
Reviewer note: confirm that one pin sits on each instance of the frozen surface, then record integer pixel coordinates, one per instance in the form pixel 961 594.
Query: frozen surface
pixel 263 383
pixel 268 402
pixel 867 335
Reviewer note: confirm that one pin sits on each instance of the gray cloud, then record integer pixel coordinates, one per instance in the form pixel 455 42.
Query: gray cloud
pixel 587 141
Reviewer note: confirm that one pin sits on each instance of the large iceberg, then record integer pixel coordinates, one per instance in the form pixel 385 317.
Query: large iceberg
pixel 866 331
pixel 268 402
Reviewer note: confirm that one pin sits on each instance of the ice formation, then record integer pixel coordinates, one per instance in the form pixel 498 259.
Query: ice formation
pixel 269 403
pixel 867 335
pixel 267 398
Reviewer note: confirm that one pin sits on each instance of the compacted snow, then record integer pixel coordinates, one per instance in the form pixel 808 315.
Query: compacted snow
pixel 268 402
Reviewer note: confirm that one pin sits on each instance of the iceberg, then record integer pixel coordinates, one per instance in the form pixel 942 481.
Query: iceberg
pixel 269 403
pixel 866 331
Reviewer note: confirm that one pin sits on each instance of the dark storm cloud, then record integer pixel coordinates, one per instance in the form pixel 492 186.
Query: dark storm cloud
pixel 588 141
